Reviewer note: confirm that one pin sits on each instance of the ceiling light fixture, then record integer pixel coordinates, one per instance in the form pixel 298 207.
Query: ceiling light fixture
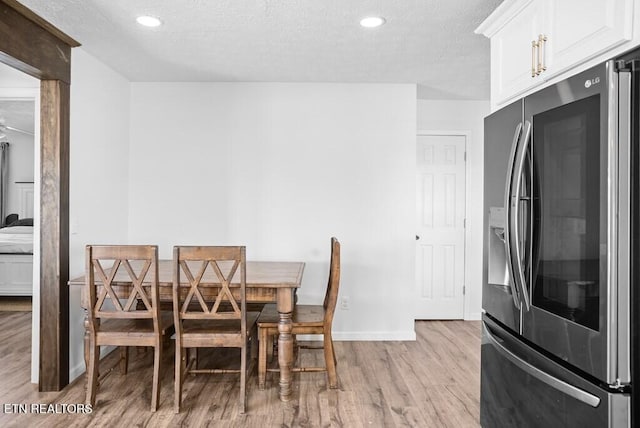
pixel 149 21
pixel 372 21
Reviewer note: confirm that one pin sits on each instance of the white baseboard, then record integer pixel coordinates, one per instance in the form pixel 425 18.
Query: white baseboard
pixel 474 316
pixel 79 369
pixel 369 336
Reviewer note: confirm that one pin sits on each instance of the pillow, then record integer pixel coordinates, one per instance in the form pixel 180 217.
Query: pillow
pixel 10 219
pixel 22 222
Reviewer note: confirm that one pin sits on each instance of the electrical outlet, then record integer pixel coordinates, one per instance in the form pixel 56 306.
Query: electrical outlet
pixel 344 303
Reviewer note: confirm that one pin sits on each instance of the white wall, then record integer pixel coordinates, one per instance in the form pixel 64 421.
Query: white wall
pixel 99 176
pixel 16 85
pixel 21 161
pixel 21 166
pixel 281 168
pixel 465 116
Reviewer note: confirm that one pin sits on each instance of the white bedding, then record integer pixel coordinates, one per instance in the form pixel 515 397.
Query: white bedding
pixel 16 239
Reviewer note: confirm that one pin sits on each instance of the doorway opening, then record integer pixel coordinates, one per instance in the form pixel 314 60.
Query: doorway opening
pixel 19 225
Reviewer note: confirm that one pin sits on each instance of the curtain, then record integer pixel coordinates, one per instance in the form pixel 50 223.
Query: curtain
pixel 4 179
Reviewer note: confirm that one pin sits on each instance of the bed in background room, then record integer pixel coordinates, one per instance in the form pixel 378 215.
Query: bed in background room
pixel 16 257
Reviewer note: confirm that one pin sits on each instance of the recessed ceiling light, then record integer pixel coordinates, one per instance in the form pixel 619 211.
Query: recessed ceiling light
pixel 372 21
pixel 148 21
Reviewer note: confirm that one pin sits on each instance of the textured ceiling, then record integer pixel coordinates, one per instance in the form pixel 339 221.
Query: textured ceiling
pixel 17 114
pixel 14 112
pixel 428 42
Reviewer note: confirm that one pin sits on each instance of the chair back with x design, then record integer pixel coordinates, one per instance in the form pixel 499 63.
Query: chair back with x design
pixel 214 282
pixel 128 279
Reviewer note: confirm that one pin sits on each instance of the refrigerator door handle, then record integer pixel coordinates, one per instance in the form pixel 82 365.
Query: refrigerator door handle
pixel 542 376
pixel 514 211
pixel 624 262
pixel 507 217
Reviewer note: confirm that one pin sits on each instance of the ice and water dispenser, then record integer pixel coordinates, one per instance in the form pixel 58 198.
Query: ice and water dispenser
pixel 498 272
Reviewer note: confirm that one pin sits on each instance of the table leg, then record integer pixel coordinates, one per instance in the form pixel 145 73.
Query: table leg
pixel 285 341
pixel 88 348
pixel 87 338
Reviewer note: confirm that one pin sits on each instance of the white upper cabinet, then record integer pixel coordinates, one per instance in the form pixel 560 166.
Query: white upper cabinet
pixel 580 29
pixel 513 55
pixel 533 41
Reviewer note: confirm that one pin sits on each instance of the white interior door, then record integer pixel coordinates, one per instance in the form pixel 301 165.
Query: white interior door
pixel 440 186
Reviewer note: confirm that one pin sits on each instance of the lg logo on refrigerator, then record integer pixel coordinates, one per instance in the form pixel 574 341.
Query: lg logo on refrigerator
pixel 589 82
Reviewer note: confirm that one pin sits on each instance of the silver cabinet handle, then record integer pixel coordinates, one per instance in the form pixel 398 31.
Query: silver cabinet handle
pixel 542 40
pixel 534 68
pixel 507 216
pixel 542 376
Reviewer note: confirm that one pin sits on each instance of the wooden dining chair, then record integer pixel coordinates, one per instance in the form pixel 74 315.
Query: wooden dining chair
pixel 306 319
pixel 123 308
pixel 211 311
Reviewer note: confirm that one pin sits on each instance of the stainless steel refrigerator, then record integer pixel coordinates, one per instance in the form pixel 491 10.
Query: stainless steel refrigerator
pixel 561 217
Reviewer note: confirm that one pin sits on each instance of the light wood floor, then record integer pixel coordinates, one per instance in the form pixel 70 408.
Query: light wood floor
pixel 432 382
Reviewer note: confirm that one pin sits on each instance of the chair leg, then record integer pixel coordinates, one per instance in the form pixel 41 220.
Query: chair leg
pixel 254 342
pixel 253 351
pixel 191 358
pixel 273 340
pixel 263 345
pixel 177 385
pixel 155 391
pixel 330 361
pixel 92 372
pixel 269 343
pixel 333 349
pixel 296 347
pixel 124 359
pixel 243 379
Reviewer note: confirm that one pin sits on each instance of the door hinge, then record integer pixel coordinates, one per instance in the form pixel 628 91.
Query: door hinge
pixel 464 223
pixel 464 290
pixel 465 156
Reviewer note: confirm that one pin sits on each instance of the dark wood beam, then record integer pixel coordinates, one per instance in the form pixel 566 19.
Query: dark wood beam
pixel 33 46
pixel 54 235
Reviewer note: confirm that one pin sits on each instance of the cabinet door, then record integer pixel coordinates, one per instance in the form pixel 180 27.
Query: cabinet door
pixel 578 30
pixel 511 51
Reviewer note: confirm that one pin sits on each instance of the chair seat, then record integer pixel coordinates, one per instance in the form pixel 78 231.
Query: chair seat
pixel 131 332
pixel 207 333
pixel 217 326
pixel 303 316
pixel 135 326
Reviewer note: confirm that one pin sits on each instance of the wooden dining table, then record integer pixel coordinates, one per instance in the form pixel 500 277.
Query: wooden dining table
pixel 266 282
